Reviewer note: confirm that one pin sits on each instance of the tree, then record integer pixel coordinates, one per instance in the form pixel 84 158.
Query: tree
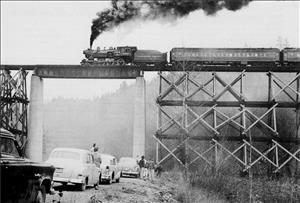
pixel 282 43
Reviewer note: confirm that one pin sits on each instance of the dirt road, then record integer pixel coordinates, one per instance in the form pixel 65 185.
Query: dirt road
pixel 129 190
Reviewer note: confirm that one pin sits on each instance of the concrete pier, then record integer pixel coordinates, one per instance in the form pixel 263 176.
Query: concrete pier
pixel 139 126
pixel 34 146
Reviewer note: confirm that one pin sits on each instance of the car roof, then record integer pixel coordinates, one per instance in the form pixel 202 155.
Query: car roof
pixel 127 157
pixel 107 156
pixel 81 151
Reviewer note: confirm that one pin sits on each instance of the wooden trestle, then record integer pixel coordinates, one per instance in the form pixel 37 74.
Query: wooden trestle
pixel 193 114
pixel 14 103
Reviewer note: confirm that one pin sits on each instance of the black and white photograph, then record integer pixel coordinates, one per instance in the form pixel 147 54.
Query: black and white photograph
pixel 150 101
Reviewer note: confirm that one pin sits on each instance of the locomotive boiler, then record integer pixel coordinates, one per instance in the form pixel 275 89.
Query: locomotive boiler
pixel 111 56
pixel 126 55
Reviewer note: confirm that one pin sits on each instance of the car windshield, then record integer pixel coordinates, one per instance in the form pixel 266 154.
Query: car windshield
pixel 8 147
pixel 127 161
pixel 65 155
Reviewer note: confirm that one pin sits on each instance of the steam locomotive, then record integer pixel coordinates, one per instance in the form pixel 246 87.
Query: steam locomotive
pixel 202 56
pixel 122 56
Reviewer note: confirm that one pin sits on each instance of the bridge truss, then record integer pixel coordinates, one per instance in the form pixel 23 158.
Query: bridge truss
pixel 14 103
pixel 217 120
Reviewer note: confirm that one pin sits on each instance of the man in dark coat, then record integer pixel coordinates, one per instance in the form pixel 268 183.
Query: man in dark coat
pixel 142 164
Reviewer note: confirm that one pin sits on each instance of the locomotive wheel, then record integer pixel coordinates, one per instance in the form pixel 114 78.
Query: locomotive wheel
pixel 120 61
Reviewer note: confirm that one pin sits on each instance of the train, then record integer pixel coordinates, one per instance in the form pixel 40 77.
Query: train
pixel 130 55
pixel 125 55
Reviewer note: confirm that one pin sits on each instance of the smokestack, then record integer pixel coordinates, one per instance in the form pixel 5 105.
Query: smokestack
pixel 125 10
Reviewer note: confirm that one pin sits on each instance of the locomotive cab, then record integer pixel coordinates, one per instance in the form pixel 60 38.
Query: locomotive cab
pixel 127 49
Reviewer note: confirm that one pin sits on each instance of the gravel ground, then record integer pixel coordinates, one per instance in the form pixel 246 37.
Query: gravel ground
pixel 128 190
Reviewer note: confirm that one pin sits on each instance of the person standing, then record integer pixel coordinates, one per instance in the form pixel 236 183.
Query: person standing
pixel 158 169
pixel 142 164
pixel 93 148
pixel 151 170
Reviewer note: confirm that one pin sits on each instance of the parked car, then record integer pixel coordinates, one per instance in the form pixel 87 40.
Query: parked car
pixel 109 169
pixel 76 166
pixel 22 180
pixel 129 167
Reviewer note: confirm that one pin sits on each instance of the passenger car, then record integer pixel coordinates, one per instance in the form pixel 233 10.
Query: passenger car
pixel 129 167
pixel 109 169
pixel 76 166
pixel 226 55
pixel 22 180
pixel 291 56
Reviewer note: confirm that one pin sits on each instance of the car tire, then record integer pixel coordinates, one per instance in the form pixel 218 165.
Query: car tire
pixel 100 181
pixel 110 180
pixel 41 198
pixel 96 185
pixel 118 180
pixel 41 195
pixel 82 186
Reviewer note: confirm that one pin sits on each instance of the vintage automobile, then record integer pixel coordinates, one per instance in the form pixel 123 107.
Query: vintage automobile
pixel 109 169
pixel 75 166
pixel 22 180
pixel 129 167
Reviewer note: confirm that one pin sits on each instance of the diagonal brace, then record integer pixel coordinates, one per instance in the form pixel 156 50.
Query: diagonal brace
pixel 228 87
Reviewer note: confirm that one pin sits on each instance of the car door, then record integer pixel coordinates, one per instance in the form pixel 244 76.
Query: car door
pixel 94 169
pixel 97 160
pixel 88 167
pixel 114 167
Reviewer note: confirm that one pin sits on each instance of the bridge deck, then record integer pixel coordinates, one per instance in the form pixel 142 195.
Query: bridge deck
pixel 128 68
pixel 78 71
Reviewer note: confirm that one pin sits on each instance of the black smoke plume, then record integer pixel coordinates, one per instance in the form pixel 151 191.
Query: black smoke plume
pixel 125 10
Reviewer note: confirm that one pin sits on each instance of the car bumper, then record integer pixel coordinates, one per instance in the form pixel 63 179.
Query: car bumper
pixel 130 173
pixel 105 177
pixel 67 180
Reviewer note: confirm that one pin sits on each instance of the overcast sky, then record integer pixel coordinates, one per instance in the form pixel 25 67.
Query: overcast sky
pixel 57 33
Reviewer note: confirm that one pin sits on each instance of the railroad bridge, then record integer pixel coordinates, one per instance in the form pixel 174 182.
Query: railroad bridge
pixel 178 117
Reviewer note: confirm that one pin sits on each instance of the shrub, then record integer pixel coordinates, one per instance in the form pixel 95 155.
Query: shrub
pixel 237 189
